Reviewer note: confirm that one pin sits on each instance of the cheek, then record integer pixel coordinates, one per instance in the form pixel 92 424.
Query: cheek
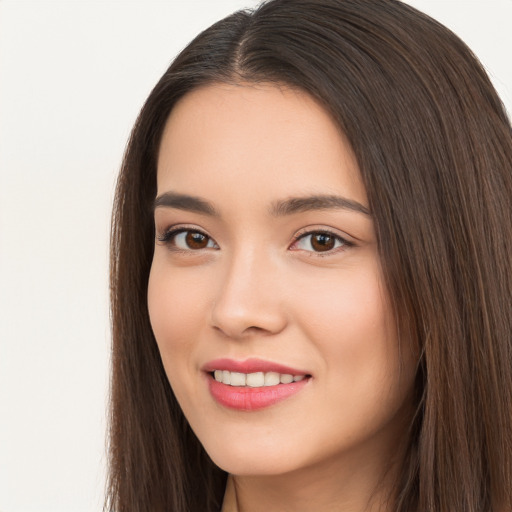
pixel 350 321
pixel 350 307
pixel 175 308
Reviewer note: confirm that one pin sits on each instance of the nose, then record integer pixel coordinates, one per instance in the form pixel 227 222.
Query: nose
pixel 249 300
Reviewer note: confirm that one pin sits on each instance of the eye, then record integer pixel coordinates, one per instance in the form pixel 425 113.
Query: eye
pixel 187 240
pixel 320 242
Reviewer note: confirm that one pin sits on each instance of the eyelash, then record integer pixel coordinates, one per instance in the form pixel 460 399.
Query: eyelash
pixel 343 242
pixel 168 237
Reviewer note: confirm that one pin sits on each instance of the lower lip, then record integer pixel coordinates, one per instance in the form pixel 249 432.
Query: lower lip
pixel 252 399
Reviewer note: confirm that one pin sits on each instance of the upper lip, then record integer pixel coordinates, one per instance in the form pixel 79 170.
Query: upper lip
pixel 251 365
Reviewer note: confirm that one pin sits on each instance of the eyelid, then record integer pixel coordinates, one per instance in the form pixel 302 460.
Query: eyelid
pixel 346 240
pixel 173 229
pixel 320 228
pixel 170 232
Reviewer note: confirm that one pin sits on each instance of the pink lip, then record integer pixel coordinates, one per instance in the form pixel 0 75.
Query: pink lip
pixel 251 365
pixel 246 398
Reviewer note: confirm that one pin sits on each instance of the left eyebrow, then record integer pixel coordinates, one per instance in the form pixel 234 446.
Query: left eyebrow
pixel 316 202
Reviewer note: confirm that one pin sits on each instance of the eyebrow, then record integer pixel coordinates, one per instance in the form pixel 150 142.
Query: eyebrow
pixel 281 208
pixel 185 202
pixel 316 202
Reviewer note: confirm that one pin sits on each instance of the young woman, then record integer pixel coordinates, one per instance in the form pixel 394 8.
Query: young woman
pixel 311 272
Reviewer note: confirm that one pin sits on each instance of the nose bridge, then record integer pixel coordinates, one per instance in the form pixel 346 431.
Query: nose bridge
pixel 248 300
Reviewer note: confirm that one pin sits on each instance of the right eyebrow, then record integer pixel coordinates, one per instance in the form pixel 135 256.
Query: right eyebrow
pixel 185 202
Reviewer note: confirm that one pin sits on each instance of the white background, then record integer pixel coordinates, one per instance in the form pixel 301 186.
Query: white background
pixel 73 75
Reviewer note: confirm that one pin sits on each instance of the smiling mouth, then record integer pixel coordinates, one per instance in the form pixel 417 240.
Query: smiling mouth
pixel 246 392
pixel 254 383
pixel 256 379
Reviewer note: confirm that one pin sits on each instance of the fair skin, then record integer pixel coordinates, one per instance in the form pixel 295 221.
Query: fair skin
pixel 301 287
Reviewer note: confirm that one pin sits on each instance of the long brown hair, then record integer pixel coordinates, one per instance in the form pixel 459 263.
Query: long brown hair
pixel 434 148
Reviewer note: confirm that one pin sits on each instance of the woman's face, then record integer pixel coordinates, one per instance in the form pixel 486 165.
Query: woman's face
pixel 266 270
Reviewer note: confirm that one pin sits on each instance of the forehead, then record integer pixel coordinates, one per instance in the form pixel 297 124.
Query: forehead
pixel 258 139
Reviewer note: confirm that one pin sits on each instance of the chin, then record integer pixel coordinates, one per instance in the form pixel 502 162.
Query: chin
pixel 252 459
pixel 244 466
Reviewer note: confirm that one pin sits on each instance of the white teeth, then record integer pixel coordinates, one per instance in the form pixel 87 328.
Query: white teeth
pixel 286 378
pixel 239 379
pixel 255 380
pixel 271 379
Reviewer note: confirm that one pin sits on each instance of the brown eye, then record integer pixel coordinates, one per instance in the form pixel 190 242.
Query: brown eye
pixel 322 242
pixel 195 240
pixel 188 240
